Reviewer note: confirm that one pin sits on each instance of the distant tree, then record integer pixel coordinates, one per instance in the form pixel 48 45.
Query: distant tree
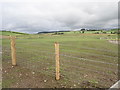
pixel 104 32
pixel 116 32
pixel 61 33
pixel 96 32
pixel 101 30
pixel 83 30
pixel 55 33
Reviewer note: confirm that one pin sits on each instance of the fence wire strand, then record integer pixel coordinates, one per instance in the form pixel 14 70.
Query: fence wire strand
pixel 40 57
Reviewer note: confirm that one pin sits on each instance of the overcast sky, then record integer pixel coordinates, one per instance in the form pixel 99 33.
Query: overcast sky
pixel 43 15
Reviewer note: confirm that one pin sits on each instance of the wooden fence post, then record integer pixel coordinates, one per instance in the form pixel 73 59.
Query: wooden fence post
pixel 13 50
pixel 57 61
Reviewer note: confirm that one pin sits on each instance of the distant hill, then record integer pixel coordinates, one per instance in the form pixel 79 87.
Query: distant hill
pixel 7 33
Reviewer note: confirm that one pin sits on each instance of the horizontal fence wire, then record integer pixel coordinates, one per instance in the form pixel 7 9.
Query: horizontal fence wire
pixel 38 65
pixel 89 48
pixel 66 50
pixel 102 59
pixel 40 57
pixel 87 69
pixel 84 59
pixel 44 51
pixel 90 65
pixel 36 46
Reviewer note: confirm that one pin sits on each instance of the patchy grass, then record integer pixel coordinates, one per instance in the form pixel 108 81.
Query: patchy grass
pixel 86 61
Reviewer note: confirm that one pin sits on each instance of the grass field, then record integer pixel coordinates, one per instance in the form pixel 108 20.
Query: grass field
pixel 7 33
pixel 86 61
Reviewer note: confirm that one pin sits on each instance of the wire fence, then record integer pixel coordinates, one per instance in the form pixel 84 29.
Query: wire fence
pixel 76 63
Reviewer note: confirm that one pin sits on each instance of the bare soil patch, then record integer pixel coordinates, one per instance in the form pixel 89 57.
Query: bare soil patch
pixel 2 37
pixel 114 41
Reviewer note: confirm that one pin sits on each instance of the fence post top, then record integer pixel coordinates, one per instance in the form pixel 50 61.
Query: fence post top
pixel 56 43
pixel 12 36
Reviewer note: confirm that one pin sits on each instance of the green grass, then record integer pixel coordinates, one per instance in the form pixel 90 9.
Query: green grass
pixel 8 33
pixel 36 53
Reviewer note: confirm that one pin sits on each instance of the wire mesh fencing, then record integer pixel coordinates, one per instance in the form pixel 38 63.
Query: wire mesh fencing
pixel 78 62
pixel 39 58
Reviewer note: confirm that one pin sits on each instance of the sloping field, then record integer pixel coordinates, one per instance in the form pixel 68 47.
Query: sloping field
pixel 86 61
pixel 7 33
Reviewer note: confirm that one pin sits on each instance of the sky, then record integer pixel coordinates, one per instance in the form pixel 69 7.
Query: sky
pixel 50 15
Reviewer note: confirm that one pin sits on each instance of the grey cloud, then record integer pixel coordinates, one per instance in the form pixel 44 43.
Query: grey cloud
pixel 43 16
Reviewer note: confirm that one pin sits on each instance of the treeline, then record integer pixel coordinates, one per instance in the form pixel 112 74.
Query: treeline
pixel 55 32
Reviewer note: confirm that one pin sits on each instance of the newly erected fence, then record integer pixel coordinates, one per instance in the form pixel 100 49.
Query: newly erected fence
pixel 70 60
pixel 14 59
